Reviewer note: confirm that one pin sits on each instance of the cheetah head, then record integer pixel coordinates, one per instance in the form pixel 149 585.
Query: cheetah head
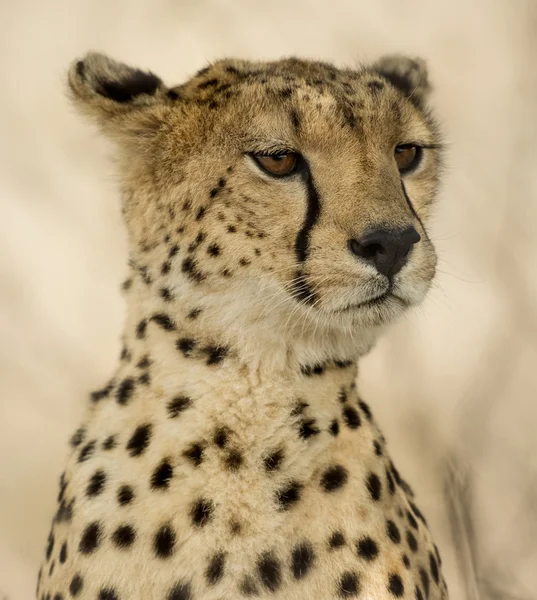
pixel 277 191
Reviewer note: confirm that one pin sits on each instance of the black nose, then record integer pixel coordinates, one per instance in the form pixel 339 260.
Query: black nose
pixel 386 249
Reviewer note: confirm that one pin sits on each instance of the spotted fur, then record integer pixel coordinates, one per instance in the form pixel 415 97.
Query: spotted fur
pixel 230 455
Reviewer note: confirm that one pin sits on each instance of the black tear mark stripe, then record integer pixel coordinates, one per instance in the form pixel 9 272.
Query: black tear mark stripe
pixel 312 216
pixel 413 210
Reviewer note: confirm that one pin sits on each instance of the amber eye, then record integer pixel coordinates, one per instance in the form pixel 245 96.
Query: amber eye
pixel 279 165
pixel 407 157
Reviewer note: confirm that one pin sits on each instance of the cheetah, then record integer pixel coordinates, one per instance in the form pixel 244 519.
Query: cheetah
pixel 276 216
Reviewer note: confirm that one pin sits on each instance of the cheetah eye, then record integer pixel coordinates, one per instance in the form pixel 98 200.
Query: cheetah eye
pixel 407 157
pixel 279 165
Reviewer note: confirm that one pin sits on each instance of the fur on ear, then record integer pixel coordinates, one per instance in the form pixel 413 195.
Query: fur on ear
pixel 409 75
pixel 117 96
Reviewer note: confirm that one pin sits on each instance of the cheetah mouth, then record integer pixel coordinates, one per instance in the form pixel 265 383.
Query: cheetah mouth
pixel 376 301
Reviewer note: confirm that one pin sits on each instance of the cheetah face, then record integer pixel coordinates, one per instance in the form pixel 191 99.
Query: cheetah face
pixel 291 184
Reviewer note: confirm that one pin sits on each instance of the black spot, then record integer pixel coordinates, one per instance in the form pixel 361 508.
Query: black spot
pixel 51 570
pixel 220 437
pixel 395 585
pixel 144 362
pixel 213 250
pixel 216 354
pixel 308 429
pixel 375 86
pixel 215 569
pixel 418 594
pixel 96 484
pixel 334 478
pixel 65 512
pixel 109 443
pixel 231 228
pixel 393 532
pixel 160 480
pixel 233 460
pixel 201 512
pixel 201 213
pixel 310 370
pixel 269 570
pixel 348 584
pixel 194 313
pixel 141 328
pixel 299 408
pixel 128 87
pixel 50 545
pixel 102 393
pixel 208 83
pixel 164 321
pixel 295 119
pixel 57 596
pixel 420 516
pixel 244 262
pixel 108 594
pixel 406 561
pixel 166 294
pixel 395 473
pixel 126 285
pixel 190 268
pixel 367 548
pixel 164 541
pixel 139 440
pixel 411 519
pixel 78 437
pixel 194 453
pixel 235 527
pixel 424 580
pixel 412 541
pixel 248 587
pixel 124 536
pixel 177 405
pixel 76 585
pixel 334 427
pixel 391 482
pixel 337 540
pixel 366 410
pixel 378 448
pixel 180 591
pixel 351 417
pixel 302 559
pixel 144 379
pixel 87 451
pixel 125 390
pixel 186 345
pixel 63 486
pixel 226 273
pixel 91 538
pixel 125 354
pixel 289 495
pixel 434 568
pixel 437 553
pixel 342 396
pixel 374 486
pixel 273 461
pixel 125 495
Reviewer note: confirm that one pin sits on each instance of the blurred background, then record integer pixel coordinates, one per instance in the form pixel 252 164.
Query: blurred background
pixel 454 384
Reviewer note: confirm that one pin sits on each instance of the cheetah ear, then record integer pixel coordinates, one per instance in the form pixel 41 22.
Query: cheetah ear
pixel 409 75
pixel 122 99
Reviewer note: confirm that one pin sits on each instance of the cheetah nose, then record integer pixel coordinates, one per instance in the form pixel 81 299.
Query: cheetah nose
pixel 386 249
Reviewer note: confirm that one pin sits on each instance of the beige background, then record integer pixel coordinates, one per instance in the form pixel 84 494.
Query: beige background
pixel 454 384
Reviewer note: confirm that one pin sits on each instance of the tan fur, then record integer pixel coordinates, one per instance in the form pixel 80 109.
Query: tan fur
pixel 271 371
